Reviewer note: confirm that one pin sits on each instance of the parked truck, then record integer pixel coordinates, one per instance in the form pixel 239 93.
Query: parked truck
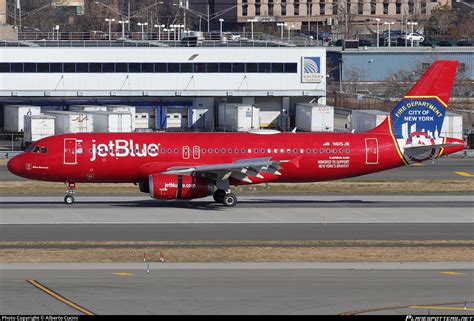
pixel 364 120
pixel 452 126
pixel 111 122
pixel 87 108
pixel 238 117
pixel 13 116
pixel 37 127
pixel 125 109
pixel 72 122
pixel 321 118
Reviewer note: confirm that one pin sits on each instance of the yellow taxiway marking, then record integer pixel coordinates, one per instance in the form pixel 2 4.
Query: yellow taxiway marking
pixel 59 297
pixel 418 164
pixel 438 308
pixel 465 174
pixel 122 273
pixel 451 273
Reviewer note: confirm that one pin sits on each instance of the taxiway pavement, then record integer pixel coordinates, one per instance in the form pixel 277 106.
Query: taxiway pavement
pixel 266 288
pixel 259 217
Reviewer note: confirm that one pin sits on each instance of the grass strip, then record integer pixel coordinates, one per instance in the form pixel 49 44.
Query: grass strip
pixel 239 254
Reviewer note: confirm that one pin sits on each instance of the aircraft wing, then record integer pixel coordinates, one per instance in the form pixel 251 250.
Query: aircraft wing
pixel 239 170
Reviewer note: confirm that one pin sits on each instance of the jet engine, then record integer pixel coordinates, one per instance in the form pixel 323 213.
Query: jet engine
pixel 164 186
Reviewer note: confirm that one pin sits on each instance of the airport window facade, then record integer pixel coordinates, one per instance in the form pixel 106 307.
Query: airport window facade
pixel 110 67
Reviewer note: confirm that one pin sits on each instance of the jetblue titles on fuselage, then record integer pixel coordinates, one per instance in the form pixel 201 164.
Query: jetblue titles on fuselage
pixel 123 148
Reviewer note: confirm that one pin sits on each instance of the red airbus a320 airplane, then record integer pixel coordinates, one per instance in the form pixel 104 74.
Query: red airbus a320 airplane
pixel 194 165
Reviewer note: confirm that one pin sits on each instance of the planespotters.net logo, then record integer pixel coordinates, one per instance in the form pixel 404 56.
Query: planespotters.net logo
pixel 438 318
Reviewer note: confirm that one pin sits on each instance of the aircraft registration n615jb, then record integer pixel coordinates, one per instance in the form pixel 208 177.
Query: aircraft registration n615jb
pixel 195 165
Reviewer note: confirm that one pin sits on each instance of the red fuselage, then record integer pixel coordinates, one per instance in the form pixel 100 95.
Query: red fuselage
pixel 132 157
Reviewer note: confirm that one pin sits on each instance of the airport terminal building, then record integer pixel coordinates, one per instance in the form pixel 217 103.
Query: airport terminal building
pixel 177 86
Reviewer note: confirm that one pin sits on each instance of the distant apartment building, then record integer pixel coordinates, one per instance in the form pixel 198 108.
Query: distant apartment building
pixel 333 12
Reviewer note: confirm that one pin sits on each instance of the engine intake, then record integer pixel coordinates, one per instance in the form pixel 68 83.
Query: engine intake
pixel 164 186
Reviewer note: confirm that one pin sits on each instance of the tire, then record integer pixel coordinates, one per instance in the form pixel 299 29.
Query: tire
pixel 229 200
pixel 219 195
pixel 68 199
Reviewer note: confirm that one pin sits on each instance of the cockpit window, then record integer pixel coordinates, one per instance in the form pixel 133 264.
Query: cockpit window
pixel 29 148
pixel 44 150
pixel 36 149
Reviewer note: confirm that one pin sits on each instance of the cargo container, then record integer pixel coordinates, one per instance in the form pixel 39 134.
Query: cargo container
pixel 37 127
pixel 203 113
pixel 452 126
pixel 124 109
pixel 111 122
pixel 141 121
pixel 238 117
pixel 364 120
pixel 72 122
pixel 322 118
pixel 13 116
pixel 87 108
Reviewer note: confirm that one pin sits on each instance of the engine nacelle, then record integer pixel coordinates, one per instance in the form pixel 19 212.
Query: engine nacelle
pixel 164 186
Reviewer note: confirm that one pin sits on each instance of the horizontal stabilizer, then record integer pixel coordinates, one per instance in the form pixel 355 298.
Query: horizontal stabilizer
pixel 429 147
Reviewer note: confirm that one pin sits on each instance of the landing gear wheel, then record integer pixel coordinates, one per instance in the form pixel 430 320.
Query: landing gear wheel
pixel 68 199
pixel 219 195
pixel 229 200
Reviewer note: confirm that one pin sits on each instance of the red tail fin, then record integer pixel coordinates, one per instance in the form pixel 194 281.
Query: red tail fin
pixel 437 80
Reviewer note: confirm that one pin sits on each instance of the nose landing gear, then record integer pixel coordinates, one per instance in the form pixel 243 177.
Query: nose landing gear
pixel 71 190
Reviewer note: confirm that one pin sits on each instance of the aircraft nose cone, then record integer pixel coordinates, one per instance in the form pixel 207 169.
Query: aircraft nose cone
pixel 14 166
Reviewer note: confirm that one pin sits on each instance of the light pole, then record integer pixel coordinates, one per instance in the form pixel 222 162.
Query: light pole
pixel 389 23
pixel 142 25
pixel 289 31
pixel 123 27
pixel 282 25
pixel 378 21
pixel 173 28
pixel 220 22
pixel 57 30
pixel 168 31
pixel 412 23
pixel 179 30
pixel 110 27
pixel 251 26
pixel 159 31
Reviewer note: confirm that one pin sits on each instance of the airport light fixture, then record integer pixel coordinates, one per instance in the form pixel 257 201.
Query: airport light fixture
pixel 289 31
pixel 159 30
pixel 251 25
pixel 127 13
pixel 412 23
pixel 110 27
pixel 57 31
pixel 173 28
pixel 142 24
pixel 123 22
pixel 378 22
pixel 282 25
pixel 389 24
pixel 220 22
pixel 167 30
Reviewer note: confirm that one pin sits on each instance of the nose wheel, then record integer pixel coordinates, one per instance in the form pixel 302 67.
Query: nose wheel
pixel 71 190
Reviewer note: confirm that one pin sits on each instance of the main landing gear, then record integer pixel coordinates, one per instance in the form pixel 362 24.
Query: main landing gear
pixel 228 199
pixel 71 190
